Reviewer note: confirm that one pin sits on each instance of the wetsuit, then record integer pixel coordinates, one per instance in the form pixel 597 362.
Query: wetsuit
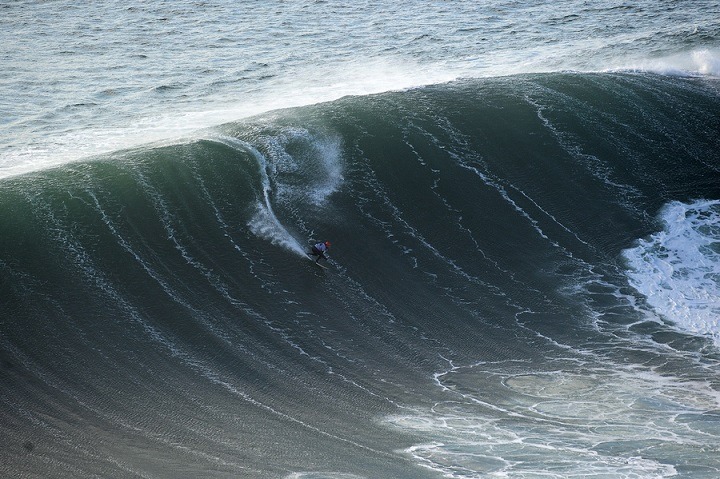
pixel 319 250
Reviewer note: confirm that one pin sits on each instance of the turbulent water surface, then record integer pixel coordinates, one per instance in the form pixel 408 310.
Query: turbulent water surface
pixel 524 209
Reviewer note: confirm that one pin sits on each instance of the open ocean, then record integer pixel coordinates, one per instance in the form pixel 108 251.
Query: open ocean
pixel 523 200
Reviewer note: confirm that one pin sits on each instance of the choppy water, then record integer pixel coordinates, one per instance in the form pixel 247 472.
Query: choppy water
pixel 523 205
pixel 81 79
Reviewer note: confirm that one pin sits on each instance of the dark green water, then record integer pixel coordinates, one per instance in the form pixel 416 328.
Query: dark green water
pixel 159 317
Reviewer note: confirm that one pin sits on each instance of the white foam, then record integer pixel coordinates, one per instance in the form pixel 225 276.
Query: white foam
pixel 678 268
pixel 506 420
pixel 699 62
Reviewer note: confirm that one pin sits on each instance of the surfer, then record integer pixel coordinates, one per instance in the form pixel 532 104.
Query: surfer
pixel 319 250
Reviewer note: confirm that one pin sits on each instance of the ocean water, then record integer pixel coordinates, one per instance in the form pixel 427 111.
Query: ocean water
pixel 524 206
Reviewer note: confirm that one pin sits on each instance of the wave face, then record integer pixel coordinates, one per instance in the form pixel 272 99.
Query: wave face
pixel 488 307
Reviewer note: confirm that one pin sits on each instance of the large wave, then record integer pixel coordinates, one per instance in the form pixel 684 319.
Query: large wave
pixel 485 310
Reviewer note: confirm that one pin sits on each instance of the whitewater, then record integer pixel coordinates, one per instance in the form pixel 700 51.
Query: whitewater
pixel 524 207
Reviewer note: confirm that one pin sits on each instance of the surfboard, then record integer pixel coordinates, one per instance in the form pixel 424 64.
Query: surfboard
pixel 312 258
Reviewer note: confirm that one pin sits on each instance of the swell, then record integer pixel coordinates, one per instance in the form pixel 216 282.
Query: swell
pixel 161 295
